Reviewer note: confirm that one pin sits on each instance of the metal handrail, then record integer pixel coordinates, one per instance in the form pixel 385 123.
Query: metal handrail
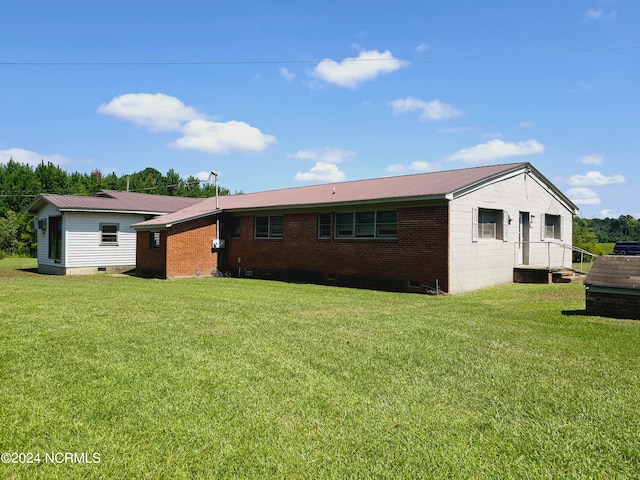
pixel 582 253
pixel 564 246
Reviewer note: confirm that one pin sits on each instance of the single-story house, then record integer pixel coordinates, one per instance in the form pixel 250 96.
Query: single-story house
pixel 612 287
pixel 90 234
pixel 452 231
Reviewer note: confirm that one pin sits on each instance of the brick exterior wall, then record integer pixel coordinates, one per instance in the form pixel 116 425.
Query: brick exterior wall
pixel 614 305
pixel 185 251
pixel 189 252
pixel 418 256
pixel 151 261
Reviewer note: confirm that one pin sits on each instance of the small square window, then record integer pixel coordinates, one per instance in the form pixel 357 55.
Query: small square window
pixel 490 224
pixel 552 226
pixel 109 233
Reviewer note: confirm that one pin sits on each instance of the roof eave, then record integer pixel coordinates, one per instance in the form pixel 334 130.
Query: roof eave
pixel 346 203
pixel 98 210
pixel 163 226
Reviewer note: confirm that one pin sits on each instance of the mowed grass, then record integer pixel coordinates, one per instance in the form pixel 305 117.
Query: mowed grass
pixel 228 378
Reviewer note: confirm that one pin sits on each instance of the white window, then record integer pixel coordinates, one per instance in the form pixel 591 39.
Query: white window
pixel 109 234
pixel 490 224
pixel 551 226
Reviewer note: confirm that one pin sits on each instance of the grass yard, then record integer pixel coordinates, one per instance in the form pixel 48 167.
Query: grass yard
pixel 228 378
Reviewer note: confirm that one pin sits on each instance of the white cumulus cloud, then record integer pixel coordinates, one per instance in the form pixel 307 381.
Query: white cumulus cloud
pixel 419 166
pixel 594 179
pixel 583 196
pixel 222 137
pixel 160 112
pixel 496 149
pixel 287 74
pixel 322 172
pixel 325 154
pixel 434 110
pixel 154 111
pixel 326 164
pixel 28 157
pixel 351 72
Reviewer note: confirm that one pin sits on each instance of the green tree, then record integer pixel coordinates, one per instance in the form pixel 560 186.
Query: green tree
pixel 584 238
pixel 18 184
pixel 52 178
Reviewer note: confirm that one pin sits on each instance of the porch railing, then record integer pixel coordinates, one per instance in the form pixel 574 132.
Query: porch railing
pixel 550 254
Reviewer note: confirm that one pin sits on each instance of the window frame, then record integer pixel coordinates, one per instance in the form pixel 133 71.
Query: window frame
pixel 273 229
pixel 556 227
pixel 55 237
pixel 500 224
pixel 115 235
pixel 154 240
pixel 324 226
pixel 365 225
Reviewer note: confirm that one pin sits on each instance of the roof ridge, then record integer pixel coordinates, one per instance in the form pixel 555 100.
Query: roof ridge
pixel 347 182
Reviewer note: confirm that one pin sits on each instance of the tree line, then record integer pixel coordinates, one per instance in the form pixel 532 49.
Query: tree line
pixel 20 184
pixel 591 233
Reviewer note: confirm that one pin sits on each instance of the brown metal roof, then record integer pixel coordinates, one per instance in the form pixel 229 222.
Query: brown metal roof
pixel 114 201
pixel 615 272
pixel 434 185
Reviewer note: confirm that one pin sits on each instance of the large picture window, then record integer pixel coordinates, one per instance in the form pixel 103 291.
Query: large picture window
pixel 268 227
pixel 371 224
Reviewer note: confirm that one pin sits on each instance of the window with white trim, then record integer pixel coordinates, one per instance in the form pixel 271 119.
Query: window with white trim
pixel 109 233
pixel 371 224
pixel 490 224
pixel 551 227
pixel 268 227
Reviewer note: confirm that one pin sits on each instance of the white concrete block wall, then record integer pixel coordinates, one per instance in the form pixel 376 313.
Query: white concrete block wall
pixel 489 262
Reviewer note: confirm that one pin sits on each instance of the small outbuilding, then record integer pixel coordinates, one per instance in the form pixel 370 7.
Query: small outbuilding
pixel 89 234
pixel 612 287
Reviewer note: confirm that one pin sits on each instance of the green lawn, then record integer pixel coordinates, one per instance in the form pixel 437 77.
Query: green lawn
pixel 228 378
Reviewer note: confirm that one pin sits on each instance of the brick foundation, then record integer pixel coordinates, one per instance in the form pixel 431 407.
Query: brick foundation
pixel 614 305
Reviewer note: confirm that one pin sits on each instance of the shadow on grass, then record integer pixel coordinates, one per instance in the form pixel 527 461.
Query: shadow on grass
pixel 573 313
pixel 28 270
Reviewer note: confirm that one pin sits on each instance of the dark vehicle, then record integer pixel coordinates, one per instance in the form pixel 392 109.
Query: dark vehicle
pixel 627 248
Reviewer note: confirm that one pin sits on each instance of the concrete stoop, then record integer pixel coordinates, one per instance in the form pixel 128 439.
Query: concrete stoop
pixel 546 275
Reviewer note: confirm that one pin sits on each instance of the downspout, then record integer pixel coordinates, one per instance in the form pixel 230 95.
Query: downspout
pixel 215 175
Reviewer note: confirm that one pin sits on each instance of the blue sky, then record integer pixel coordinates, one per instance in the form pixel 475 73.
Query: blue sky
pixel 286 93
